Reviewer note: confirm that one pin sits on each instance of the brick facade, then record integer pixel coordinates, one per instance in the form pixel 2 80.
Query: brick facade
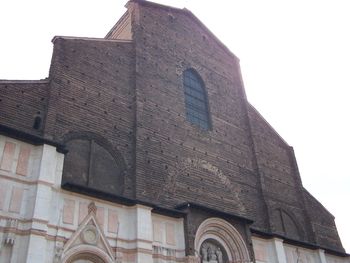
pixel 128 97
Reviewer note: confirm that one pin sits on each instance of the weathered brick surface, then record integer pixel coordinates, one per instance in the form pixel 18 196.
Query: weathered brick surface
pixel 92 92
pixel 281 183
pixel 176 161
pixel 238 166
pixel 128 97
pixel 21 102
pixel 322 223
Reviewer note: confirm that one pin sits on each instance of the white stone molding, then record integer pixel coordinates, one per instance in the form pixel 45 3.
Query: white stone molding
pixel 279 249
pixel 144 233
pixel 322 256
pixel 85 251
pixel 88 239
pixel 226 235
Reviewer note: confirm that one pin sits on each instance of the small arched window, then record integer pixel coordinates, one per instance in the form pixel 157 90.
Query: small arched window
pixel 196 101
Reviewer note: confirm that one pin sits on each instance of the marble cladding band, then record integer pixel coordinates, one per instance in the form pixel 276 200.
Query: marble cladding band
pixel 16 200
pixel 15 157
pixel 3 191
pixel 68 211
pixel 23 160
pixel 170 233
pixel 8 156
pixel 112 221
pixel 134 232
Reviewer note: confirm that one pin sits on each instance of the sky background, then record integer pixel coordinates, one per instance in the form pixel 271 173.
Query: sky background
pixel 295 59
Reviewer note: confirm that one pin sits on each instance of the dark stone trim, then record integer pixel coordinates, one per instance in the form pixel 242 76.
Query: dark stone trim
pixel 30 138
pixel 303 244
pixel 213 211
pixel 120 199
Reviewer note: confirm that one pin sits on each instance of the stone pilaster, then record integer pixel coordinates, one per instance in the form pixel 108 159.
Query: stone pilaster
pixel 279 249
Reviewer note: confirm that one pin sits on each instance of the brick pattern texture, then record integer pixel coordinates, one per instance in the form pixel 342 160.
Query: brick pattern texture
pixel 128 96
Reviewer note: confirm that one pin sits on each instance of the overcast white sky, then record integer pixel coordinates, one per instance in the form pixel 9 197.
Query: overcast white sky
pixel 295 59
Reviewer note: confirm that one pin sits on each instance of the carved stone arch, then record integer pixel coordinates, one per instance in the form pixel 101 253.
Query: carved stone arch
pixel 92 161
pixel 287 224
pixel 87 252
pixel 226 236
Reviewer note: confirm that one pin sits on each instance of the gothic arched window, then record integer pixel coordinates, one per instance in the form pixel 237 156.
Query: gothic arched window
pixel 196 101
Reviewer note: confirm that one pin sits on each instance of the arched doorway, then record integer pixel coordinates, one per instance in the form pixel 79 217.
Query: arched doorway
pixel 85 258
pixel 86 254
pixel 218 241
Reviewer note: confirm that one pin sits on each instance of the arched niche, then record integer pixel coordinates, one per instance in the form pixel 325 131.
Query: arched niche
pixel 91 162
pixel 218 241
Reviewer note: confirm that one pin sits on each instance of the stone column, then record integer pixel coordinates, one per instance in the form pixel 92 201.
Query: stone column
pixel 279 249
pixel 144 234
pixel 322 256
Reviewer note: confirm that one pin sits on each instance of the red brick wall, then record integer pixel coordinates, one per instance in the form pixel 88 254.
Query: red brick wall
pixel 21 102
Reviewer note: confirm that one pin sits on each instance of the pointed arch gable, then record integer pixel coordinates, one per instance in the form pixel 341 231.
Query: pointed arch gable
pixel 81 246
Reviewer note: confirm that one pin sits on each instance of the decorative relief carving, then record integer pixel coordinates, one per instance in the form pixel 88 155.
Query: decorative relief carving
pixel 212 252
pixel 159 250
pixel 215 233
pixel 10 236
pixel 90 235
pixel 88 238
pixel 58 252
pixel 92 208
